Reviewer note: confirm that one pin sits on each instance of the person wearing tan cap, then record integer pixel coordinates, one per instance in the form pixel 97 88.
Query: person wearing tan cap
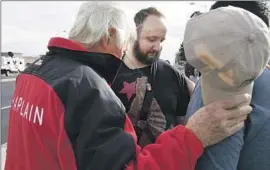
pixel 230 46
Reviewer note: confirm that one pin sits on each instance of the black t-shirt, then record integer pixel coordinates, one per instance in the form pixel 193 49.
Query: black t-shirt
pixel 170 98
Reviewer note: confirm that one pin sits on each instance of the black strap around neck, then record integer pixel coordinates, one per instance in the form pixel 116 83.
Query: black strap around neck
pixel 149 95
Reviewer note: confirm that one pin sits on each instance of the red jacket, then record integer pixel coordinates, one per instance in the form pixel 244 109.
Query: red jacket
pixel 64 116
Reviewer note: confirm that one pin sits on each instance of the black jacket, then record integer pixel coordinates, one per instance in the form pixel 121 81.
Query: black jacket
pixel 64 109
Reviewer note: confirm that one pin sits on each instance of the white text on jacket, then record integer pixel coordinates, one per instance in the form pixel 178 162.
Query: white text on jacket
pixel 27 110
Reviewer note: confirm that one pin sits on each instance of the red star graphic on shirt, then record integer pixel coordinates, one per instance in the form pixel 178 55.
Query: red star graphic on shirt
pixel 129 89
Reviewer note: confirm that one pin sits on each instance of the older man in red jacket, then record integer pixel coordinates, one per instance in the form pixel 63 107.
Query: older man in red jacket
pixel 64 115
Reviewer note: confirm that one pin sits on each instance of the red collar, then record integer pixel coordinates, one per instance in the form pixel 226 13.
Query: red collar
pixel 105 64
pixel 66 43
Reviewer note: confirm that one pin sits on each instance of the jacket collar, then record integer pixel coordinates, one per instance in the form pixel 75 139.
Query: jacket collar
pixel 103 63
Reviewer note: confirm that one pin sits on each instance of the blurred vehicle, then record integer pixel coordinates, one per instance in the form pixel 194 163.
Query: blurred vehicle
pixel 7 65
pixel 19 64
pixel 11 64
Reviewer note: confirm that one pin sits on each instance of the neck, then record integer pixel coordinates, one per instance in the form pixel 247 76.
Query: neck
pixel 131 61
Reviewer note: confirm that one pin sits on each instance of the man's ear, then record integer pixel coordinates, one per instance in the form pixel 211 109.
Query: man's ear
pixel 106 40
pixel 111 36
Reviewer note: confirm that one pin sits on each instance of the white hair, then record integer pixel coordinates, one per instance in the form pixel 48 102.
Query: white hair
pixel 96 18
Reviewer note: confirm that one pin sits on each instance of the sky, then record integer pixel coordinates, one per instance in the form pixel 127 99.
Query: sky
pixel 28 26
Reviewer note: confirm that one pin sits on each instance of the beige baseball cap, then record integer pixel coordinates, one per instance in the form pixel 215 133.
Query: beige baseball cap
pixel 230 47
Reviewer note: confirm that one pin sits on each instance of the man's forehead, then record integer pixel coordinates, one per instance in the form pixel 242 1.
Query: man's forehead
pixel 153 24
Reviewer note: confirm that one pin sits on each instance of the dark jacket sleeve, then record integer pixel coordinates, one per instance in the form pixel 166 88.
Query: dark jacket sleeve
pixel 183 96
pixel 103 138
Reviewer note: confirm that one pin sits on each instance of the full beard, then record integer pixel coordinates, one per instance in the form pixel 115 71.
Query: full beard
pixel 144 58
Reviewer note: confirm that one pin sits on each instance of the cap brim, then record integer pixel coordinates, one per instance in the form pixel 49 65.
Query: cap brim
pixel 211 93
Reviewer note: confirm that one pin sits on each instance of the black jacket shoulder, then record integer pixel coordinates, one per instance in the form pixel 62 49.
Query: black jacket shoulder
pixel 171 70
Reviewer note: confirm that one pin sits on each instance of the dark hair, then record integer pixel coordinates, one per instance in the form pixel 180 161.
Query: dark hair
pixel 256 7
pixel 189 70
pixel 144 13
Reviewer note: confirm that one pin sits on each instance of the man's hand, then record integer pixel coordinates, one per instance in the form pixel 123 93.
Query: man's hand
pixel 220 119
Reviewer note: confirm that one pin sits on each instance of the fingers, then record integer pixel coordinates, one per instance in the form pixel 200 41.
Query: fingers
pixel 236 128
pixel 234 125
pixel 234 101
pixel 233 122
pixel 239 112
